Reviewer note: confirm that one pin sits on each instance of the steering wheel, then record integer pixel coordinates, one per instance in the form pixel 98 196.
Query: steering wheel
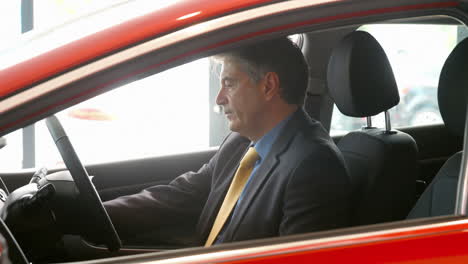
pixel 88 194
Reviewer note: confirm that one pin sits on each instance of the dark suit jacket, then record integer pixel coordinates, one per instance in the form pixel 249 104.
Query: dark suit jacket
pixel 301 186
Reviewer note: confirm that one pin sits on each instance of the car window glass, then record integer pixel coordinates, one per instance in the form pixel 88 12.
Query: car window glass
pixel 9 15
pixel 171 112
pixel 167 113
pixel 416 53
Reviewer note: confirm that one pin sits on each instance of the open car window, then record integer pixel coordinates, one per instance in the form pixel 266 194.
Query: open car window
pixel 167 113
pixel 172 112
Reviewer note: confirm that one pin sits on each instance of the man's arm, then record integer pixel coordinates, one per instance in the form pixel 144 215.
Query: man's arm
pixel 174 206
pixel 317 196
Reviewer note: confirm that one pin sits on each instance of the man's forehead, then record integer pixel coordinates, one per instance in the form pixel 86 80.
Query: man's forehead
pixel 229 66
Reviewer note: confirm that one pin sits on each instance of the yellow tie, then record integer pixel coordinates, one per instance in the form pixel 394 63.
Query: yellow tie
pixel 237 185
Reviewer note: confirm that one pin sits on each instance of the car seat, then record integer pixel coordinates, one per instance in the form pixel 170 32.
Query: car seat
pixel 382 163
pixel 440 196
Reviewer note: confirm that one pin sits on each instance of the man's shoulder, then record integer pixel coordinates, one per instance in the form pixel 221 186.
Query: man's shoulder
pixel 311 149
pixel 311 140
pixel 308 130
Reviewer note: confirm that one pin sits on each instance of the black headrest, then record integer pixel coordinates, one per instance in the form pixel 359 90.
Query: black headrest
pixel 360 78
pixel 453 89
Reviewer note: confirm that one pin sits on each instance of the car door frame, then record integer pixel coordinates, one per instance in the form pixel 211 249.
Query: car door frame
pixel 159 58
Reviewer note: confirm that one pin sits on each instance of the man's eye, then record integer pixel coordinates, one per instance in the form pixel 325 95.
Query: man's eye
pixel 228 83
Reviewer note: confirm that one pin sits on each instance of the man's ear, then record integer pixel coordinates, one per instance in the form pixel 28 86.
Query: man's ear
pixel 271 86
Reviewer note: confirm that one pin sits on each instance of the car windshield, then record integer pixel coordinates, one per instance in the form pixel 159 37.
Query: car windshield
pixel 56 23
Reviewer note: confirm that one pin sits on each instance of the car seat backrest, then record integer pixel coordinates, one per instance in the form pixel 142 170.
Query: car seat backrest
pixel 440 196
pixel 382 163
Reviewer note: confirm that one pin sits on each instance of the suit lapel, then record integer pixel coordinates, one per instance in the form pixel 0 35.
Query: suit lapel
pixel 266 168
pixel 217 195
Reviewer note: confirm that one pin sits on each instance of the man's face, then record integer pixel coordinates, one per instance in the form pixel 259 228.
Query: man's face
pixel 241 98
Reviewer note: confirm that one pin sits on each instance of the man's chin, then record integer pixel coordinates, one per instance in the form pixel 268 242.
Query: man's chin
pixel 233 127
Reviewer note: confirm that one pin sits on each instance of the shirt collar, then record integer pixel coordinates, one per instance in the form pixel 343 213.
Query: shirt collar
pixel 264 144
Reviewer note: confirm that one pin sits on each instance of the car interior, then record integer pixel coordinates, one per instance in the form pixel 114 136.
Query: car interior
pixel 379 160
pixel 399 172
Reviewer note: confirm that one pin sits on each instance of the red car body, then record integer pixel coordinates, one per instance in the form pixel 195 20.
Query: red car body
pixel 435 240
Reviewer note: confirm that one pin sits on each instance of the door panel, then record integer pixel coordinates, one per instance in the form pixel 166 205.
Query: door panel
pixel 122 178
pixel 127 177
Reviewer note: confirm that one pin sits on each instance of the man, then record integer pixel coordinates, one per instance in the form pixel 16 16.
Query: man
pixel 297 181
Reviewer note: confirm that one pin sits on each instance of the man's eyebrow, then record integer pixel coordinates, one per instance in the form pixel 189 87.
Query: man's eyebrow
pixel 227 78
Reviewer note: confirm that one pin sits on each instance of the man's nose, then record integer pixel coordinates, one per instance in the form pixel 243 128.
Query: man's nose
pixel 221 98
